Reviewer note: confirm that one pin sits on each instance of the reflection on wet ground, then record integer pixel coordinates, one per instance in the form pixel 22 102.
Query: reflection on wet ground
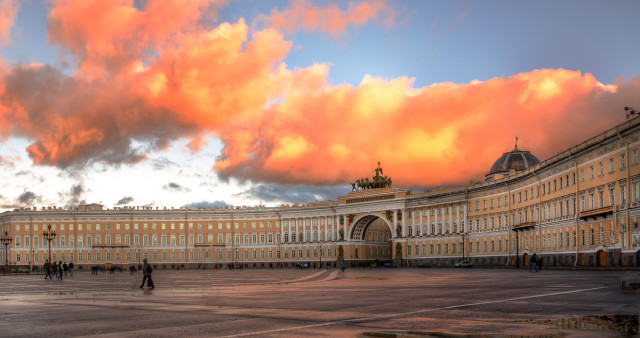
pixel 322 303
pixel 414 334
pixel 616 323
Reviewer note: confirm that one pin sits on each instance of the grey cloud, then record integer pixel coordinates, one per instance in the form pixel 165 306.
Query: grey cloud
pixel 27 198
pixel 205 204
pixel 171 186
pixel 163 163
pixel 288 193
pixel 125 200
pixel 73 196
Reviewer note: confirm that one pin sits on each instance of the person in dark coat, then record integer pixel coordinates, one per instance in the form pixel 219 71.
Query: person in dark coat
pixel 60 269
pixel 147 270
pixel 47 270
pixel 54 269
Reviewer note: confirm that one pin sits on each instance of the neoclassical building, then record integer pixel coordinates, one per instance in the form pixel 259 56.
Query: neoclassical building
pixel 578 208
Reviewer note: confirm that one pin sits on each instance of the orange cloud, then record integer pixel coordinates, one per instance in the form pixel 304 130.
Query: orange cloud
pixel 8 10
pixel 329 19
pixel 135 84
pixel 140 85
pixel 439 134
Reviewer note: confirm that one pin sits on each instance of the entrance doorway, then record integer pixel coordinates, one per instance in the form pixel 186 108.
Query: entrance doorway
pixel 371 238
pixel 601 258
pixel 525 259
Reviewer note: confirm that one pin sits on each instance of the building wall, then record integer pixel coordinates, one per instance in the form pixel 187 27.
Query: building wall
pixel 580 207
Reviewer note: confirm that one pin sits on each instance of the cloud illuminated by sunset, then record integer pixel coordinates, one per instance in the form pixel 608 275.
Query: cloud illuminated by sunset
pixel 147 77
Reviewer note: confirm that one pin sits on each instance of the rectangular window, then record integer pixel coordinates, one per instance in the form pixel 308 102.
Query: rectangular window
pixel 634 156
pixel 622 161
pixel 600 169
pixel 610 165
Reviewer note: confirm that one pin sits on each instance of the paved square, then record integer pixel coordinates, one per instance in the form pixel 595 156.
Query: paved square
pixel 292 302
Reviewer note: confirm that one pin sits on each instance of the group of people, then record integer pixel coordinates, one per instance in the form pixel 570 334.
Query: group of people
pixel 536 263
pixel 61 269
pixel 58 270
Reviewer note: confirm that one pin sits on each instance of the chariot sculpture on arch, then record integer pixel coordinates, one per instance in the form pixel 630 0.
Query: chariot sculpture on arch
pixel 377 182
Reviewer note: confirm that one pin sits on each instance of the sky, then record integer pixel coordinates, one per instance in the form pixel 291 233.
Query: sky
pixel 203 103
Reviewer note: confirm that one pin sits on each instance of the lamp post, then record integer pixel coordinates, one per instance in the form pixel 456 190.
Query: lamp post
pixel 6 240
pixel 49 236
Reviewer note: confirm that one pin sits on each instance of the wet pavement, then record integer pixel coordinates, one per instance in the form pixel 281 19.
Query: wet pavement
pixel 295 303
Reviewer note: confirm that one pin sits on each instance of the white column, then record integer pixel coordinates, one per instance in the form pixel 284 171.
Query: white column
pixel 289 225
pixel 346 221
pixel 413 221
pixel 450 227
pixel 304 229
pixel 326 219
pixel 464 210
pixel 429 221
pixel 395 223
pixel 458 216
pixel 404 222
pixel 436 219
pixel 281 230
pixel 421 225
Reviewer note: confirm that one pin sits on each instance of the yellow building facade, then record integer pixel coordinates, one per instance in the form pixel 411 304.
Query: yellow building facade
pixel 578 208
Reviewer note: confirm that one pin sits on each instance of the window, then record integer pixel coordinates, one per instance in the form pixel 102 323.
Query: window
pixel 591 172
pixel 634 156
pixel 611 196
pixel 622 161
pixel 581 175
pixel 600 169
pixel 610 165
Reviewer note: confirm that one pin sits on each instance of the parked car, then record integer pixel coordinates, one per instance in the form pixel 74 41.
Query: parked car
pixel 423 265
pixel 388 265
pixel 463 264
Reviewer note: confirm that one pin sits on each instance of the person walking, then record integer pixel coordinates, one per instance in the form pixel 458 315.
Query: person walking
pixel 342 267
pixel 533 264
pixel 47 270
pixel 60 269
pixel 71 268
pixel 146 271
pixel 540 263
pixel 54 270
pixel 65 268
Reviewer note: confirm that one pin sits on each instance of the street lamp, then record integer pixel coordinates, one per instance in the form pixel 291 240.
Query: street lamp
pixel 49 236
pixel 6 240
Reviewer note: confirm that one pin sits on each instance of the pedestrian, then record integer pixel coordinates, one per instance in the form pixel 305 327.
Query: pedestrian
pixel 60 269
pixel 342 267
pixel 47 270
pixel 554 261
pixel 532 264
pixel 130 270
pixel 540 263
pixel 65 268
pixel 146 271
pixel 71 268
pixel 54 269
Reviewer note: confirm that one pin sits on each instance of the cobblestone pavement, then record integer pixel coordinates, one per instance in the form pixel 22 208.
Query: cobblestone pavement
pixel 295 303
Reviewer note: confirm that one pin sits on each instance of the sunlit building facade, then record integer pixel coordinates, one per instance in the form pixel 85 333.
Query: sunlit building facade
pixel 578 208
